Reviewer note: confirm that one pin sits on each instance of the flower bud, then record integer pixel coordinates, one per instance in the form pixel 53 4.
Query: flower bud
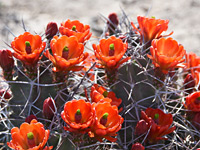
pixel 137 146
pixel 113 18
pixel 196 120
pixel 29 118
pixel 48 108
pixel 141 127
pixel 189 83
pixel 51 30
pixel 5 94
pixel 6 60
pixel 112 23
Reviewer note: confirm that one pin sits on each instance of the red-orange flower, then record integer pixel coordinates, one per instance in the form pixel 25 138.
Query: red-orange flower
pixel 107 122
pixel 75 28
pixel 27 48
pixel 193 65
pixel 158 122
pixel 100 94
pixel 192 102
pixel 67 53
pixel 110 52
pixel 151 28
pixel 78 116
pixel 31 136
pixel 166 54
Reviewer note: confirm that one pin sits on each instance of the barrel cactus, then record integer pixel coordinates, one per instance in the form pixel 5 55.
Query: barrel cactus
pixel 134 91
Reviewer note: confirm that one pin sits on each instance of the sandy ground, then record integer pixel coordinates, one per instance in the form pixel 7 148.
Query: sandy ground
pixel 184 15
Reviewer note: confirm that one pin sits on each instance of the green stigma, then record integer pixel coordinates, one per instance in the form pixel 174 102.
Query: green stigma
pixel 112 46
pixel 153 17
pixel 30 135
pixel 156 116
pixel 198 98
pixel 74 28
pixel 105 116
pixel 105 93
pixel 27 43
pixel 65 49
pixel 78 112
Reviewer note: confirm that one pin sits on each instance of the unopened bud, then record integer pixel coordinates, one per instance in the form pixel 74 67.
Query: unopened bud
pixel 137 146
pixel 48 108
pixel 51 30
pixel 141 127
pixel 6 60
pixel 112 23
pixel 113 18
pixel 30 118
pixel 196 120
pixel 5 94
pixel 189 83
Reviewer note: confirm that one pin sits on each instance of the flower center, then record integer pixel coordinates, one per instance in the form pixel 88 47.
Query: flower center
pixel 156 116
pixel 31 140
pixel 105 93
pixel 28 47
pixel 111 50
pixel 73 28
pixel 78 116
pixel 104 119
pixel 65 52
pixel 197 101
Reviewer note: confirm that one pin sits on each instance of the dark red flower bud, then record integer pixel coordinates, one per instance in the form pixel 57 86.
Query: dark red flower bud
pixel 5 94
pixel 189 83
pixel 196 120
pixel 113 18
pixel 29 118
pixel 112 23
pixel 6 60
pixel 137 146
pixel 141 127
pixel 51 30
pixel 48 108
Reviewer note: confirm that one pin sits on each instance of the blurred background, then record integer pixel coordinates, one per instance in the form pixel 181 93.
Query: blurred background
pixel 184 16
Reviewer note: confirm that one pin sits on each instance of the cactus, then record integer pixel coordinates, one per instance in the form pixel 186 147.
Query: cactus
pixel 132 93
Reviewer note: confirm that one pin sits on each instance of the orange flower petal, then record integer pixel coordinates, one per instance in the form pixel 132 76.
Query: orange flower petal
pixel 166 54
pixel 82 32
